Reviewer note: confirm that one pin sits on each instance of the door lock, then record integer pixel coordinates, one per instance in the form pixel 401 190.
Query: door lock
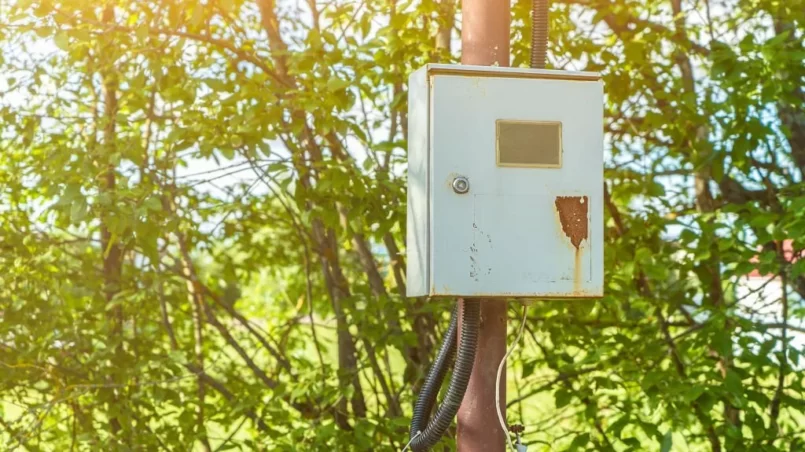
pixel 461 185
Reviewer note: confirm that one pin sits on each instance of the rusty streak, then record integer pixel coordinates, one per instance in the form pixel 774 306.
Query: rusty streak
pixel 573 216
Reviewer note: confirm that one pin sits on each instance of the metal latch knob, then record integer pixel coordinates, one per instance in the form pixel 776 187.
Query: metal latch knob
pixel 461 185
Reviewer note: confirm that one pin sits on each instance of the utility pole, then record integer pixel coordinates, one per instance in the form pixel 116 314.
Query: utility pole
pixel 485 42
pixel 478 427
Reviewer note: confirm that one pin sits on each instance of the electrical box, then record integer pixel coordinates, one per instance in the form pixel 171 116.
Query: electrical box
pixel 505 182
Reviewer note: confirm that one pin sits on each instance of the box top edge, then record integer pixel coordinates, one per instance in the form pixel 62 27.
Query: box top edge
pixel 519 296
pixel 498 71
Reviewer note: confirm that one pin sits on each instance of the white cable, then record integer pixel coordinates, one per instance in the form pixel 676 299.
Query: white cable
pixel 411 441
pixel 497 379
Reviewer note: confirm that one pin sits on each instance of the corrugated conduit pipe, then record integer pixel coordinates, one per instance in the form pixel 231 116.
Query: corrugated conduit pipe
pixel 539 33
pixel 433 382
pixel 423 437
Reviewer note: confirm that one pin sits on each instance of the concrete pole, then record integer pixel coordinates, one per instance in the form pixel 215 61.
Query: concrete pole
pixel 485 41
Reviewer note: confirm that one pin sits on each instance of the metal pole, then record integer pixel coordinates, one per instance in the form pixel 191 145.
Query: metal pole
pixel 478 426
pixel 485 42
pixel 485 28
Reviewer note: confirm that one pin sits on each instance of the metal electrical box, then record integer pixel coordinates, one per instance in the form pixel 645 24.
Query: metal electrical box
pixel 505 182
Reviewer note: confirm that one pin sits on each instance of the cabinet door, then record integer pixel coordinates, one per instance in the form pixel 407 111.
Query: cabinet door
pixel 531 223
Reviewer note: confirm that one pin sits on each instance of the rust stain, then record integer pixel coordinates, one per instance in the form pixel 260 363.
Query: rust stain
pixel 577 272
pixel 573 216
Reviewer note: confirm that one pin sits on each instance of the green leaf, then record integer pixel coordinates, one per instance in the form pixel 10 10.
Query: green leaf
pixel 153 203
pixel 265 148
pixel 650 429
pixel 43 32
pixel 778 38
pixel 693 392
pixel 366 25
pixel 148 243
pixel 228 152
pixel 236 141
pixel 722 342
pixel 562 397
pixel 177 356
pixel 62 41
pixel 143 31
pixel 580 441
pixel 528 368
pixel 632 442
pixel 78 211
pixel 667 442
pixel 617 426
pixel 732 383
pixel 216 85
pixel 336 84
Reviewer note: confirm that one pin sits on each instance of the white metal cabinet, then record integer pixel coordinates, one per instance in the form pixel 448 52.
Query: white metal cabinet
pixel 530 144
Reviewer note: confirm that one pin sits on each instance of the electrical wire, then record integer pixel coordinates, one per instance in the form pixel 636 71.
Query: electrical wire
pixel 500 371
pixel 411 441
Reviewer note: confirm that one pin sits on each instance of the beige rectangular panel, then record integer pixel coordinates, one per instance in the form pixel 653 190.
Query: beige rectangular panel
pixel 536 144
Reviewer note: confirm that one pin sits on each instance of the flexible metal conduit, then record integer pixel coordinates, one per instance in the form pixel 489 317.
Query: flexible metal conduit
pixel 433 382
pixel 539 33
pixel 424 439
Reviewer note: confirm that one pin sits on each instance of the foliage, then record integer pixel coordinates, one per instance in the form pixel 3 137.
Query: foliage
pixel 203 209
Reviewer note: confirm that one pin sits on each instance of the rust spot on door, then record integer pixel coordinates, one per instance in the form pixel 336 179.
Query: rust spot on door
pixel 573 216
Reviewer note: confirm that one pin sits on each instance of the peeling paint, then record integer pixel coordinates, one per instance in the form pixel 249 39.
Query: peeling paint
pixel 480 87
pixel 474 267
pixel 573 217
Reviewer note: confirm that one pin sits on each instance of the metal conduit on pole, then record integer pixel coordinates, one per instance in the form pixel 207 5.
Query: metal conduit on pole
pixel 539 33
